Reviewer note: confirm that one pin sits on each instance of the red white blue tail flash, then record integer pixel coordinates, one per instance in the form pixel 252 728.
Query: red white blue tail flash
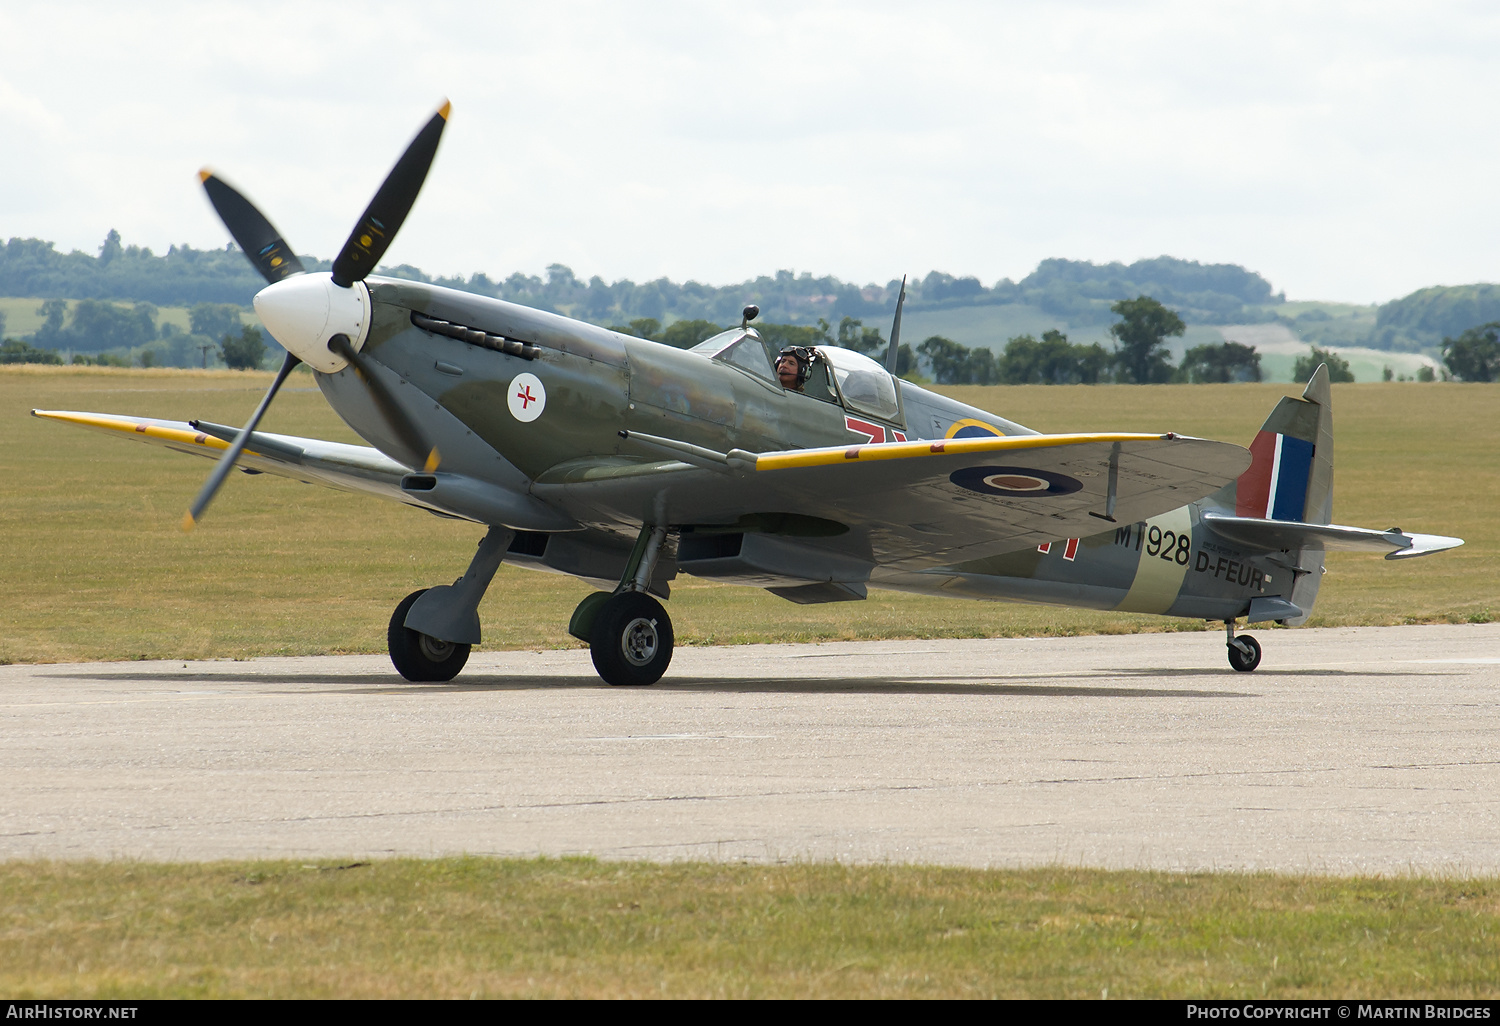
pixel 1275 486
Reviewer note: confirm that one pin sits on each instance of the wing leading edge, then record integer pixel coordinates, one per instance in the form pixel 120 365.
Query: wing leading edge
pixel 355 468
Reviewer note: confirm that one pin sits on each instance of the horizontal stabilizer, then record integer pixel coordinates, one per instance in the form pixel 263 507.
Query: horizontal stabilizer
pixel 1285 535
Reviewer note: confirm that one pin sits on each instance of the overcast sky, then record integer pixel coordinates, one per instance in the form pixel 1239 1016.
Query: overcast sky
pixel 1344 151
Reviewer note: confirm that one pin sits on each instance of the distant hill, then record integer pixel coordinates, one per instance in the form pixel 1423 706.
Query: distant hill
pixel 1075 292
pixel 1074 295
pixel 1200 293
pixel 1427 316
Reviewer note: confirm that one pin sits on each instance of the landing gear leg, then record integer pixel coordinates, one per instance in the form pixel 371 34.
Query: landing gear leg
pixel 1244 651
pixel 432 630
pixel 630 638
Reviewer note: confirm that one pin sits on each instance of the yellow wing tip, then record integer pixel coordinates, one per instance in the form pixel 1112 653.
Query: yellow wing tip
pixel 188 523
pixel 204 174
pixel 444 109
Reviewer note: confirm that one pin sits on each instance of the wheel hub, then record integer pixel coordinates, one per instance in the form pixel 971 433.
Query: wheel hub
pixel 433 649
pixel 639 641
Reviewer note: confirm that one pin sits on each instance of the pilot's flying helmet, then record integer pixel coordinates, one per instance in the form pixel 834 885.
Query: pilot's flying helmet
pixel 805 357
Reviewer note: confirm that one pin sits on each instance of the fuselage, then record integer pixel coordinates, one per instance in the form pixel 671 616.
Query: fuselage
pixel 515 393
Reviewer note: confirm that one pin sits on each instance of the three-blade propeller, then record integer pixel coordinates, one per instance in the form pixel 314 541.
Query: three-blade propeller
pixel 274 259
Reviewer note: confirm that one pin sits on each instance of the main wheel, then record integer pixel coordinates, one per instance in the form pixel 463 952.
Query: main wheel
pixel 632 639
pixel 419 657
pixel 1244 662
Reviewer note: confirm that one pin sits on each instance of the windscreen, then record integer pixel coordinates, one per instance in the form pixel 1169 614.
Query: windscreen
pixel 740 348
pixel 723 340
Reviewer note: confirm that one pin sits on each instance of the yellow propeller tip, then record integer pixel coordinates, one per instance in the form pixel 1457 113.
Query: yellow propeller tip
pixel 188 523
pixel 444 109
pixel 204 174
pixel 433 459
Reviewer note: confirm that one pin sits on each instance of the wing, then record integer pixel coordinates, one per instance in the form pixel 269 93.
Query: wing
pixel 354 468
pixel 912 504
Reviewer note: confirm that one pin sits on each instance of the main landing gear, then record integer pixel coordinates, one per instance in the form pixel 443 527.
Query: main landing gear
pixel 419 657
pixel 432 630
pixel 629 633
pixel 1244 651
pixel 631 642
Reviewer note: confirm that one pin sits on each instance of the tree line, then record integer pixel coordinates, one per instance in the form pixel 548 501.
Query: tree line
pixel 96 331
pixel 1139 358
pixel 1077 292
pixel 99 332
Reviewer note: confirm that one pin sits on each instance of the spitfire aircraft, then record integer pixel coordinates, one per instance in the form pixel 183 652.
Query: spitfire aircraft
pixel 625 463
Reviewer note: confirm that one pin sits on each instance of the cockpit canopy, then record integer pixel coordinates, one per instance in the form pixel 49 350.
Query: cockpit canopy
pixel 862 384
pixel 865 385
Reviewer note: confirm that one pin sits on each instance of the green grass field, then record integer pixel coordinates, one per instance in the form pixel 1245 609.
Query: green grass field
pixel 96 567
pixel 580 928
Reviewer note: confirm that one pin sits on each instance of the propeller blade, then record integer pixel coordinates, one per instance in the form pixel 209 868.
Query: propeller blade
pixel 892 352
pixel 406 432
pixel 386 212
pixel 257 237
pixel 226 462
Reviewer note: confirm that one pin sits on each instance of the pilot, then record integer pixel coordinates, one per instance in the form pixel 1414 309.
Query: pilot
pixel 791 369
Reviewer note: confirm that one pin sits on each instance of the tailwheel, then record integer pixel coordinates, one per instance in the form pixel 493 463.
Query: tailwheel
pixel 631 640
pixel 1247 658
pixel 419 657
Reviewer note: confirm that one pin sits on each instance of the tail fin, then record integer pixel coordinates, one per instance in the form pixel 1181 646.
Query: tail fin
pixel 1291 469
pixel 1291 479
pixel 1283 506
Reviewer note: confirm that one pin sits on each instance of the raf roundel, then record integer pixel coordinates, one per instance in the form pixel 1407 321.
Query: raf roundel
pixel 1014 482
pixel 527 398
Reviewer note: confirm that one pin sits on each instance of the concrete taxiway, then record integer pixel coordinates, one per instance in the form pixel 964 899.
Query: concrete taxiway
pixel 1348 751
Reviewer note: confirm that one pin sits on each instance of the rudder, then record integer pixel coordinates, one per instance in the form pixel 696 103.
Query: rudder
pixel 1291 469
pixel 1291 478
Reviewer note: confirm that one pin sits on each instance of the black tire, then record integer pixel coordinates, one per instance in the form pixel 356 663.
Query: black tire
pixel 1239 660
pixel 632 640
pixel 417 657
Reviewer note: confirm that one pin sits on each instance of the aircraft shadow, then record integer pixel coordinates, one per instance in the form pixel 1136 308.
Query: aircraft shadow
pixel 899 686
pixel 365 683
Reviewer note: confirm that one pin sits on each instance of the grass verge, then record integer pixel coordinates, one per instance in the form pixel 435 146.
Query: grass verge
pixel 472 927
